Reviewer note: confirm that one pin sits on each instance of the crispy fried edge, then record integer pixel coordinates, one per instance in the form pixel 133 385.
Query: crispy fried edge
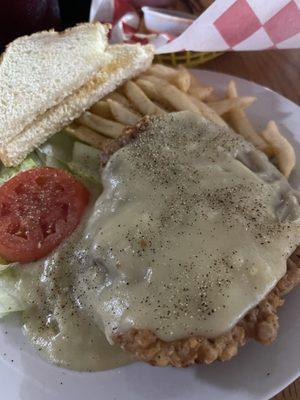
pixel 261 323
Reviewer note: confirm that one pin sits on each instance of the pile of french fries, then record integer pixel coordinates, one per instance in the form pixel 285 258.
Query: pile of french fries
pixel 162 89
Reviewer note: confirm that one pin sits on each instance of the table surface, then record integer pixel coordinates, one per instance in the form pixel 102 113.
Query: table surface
pixel 280 71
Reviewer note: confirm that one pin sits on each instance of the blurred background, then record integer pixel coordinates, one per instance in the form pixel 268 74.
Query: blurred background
pixel 22 17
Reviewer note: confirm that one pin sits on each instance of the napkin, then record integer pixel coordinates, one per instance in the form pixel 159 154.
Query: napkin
pixel 227 25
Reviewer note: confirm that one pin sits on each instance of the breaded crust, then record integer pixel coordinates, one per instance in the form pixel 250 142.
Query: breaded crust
pixel 261 323
pixel 130 134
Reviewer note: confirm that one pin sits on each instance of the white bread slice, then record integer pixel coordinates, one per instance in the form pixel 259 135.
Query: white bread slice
pixel 39 71
pixel 127 61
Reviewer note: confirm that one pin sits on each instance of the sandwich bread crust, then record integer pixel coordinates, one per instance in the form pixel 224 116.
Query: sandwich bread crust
pixel 39 71
pixel 122 62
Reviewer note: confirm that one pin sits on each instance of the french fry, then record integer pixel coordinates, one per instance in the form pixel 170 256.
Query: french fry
pixel 162 71
pixel 153 93
pixel 183 101
pixel 177 99
pixel 149 89
pixel 198 90
pixel 157 81
pixel 180 77
pixel 223 106
pixel 208 112
pixel 101 125
pixel 120 98
pixel 123 114
pixel 283 150
pixel 163 89
pixel 87 135
pixel 212 97
pixel 102 109
pixel 240 123
pixel 139 99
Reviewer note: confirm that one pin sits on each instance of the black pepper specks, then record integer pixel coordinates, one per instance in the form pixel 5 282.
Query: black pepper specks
pixel 177 238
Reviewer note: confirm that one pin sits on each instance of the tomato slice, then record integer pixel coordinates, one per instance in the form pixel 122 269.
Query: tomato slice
pixel 39 208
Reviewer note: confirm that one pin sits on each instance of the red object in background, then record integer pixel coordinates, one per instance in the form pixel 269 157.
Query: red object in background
pixel 23 17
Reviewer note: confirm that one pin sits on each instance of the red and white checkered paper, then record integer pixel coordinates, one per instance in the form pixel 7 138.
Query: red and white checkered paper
pixel 225 25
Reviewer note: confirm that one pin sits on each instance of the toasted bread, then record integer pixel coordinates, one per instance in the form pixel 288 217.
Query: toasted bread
pixel 125 62
pixel 39 71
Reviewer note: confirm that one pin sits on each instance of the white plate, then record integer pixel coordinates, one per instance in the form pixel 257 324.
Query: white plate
pixel 257 373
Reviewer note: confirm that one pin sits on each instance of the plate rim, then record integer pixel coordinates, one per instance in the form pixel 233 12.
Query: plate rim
pixel 284 99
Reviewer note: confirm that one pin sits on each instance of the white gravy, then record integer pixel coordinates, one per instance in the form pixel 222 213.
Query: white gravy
pixel 192 230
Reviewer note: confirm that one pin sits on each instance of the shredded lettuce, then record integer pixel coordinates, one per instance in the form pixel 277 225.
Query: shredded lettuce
pixel 86 155
pixel 8 172
pixel 85 162
pixel 59 147
pixel 5 174
pixel 3 264
pixel 61 151
pixel 10 296
pixel 11 299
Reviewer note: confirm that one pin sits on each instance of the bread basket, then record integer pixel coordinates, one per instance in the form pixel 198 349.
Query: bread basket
pixel 187 58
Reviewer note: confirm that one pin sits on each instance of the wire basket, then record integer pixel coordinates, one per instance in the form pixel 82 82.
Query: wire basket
pixel 188 58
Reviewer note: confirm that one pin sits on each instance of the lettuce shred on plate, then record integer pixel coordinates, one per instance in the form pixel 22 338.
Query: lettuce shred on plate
pixel 61 151
pixel 7 173
pixel 10 294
